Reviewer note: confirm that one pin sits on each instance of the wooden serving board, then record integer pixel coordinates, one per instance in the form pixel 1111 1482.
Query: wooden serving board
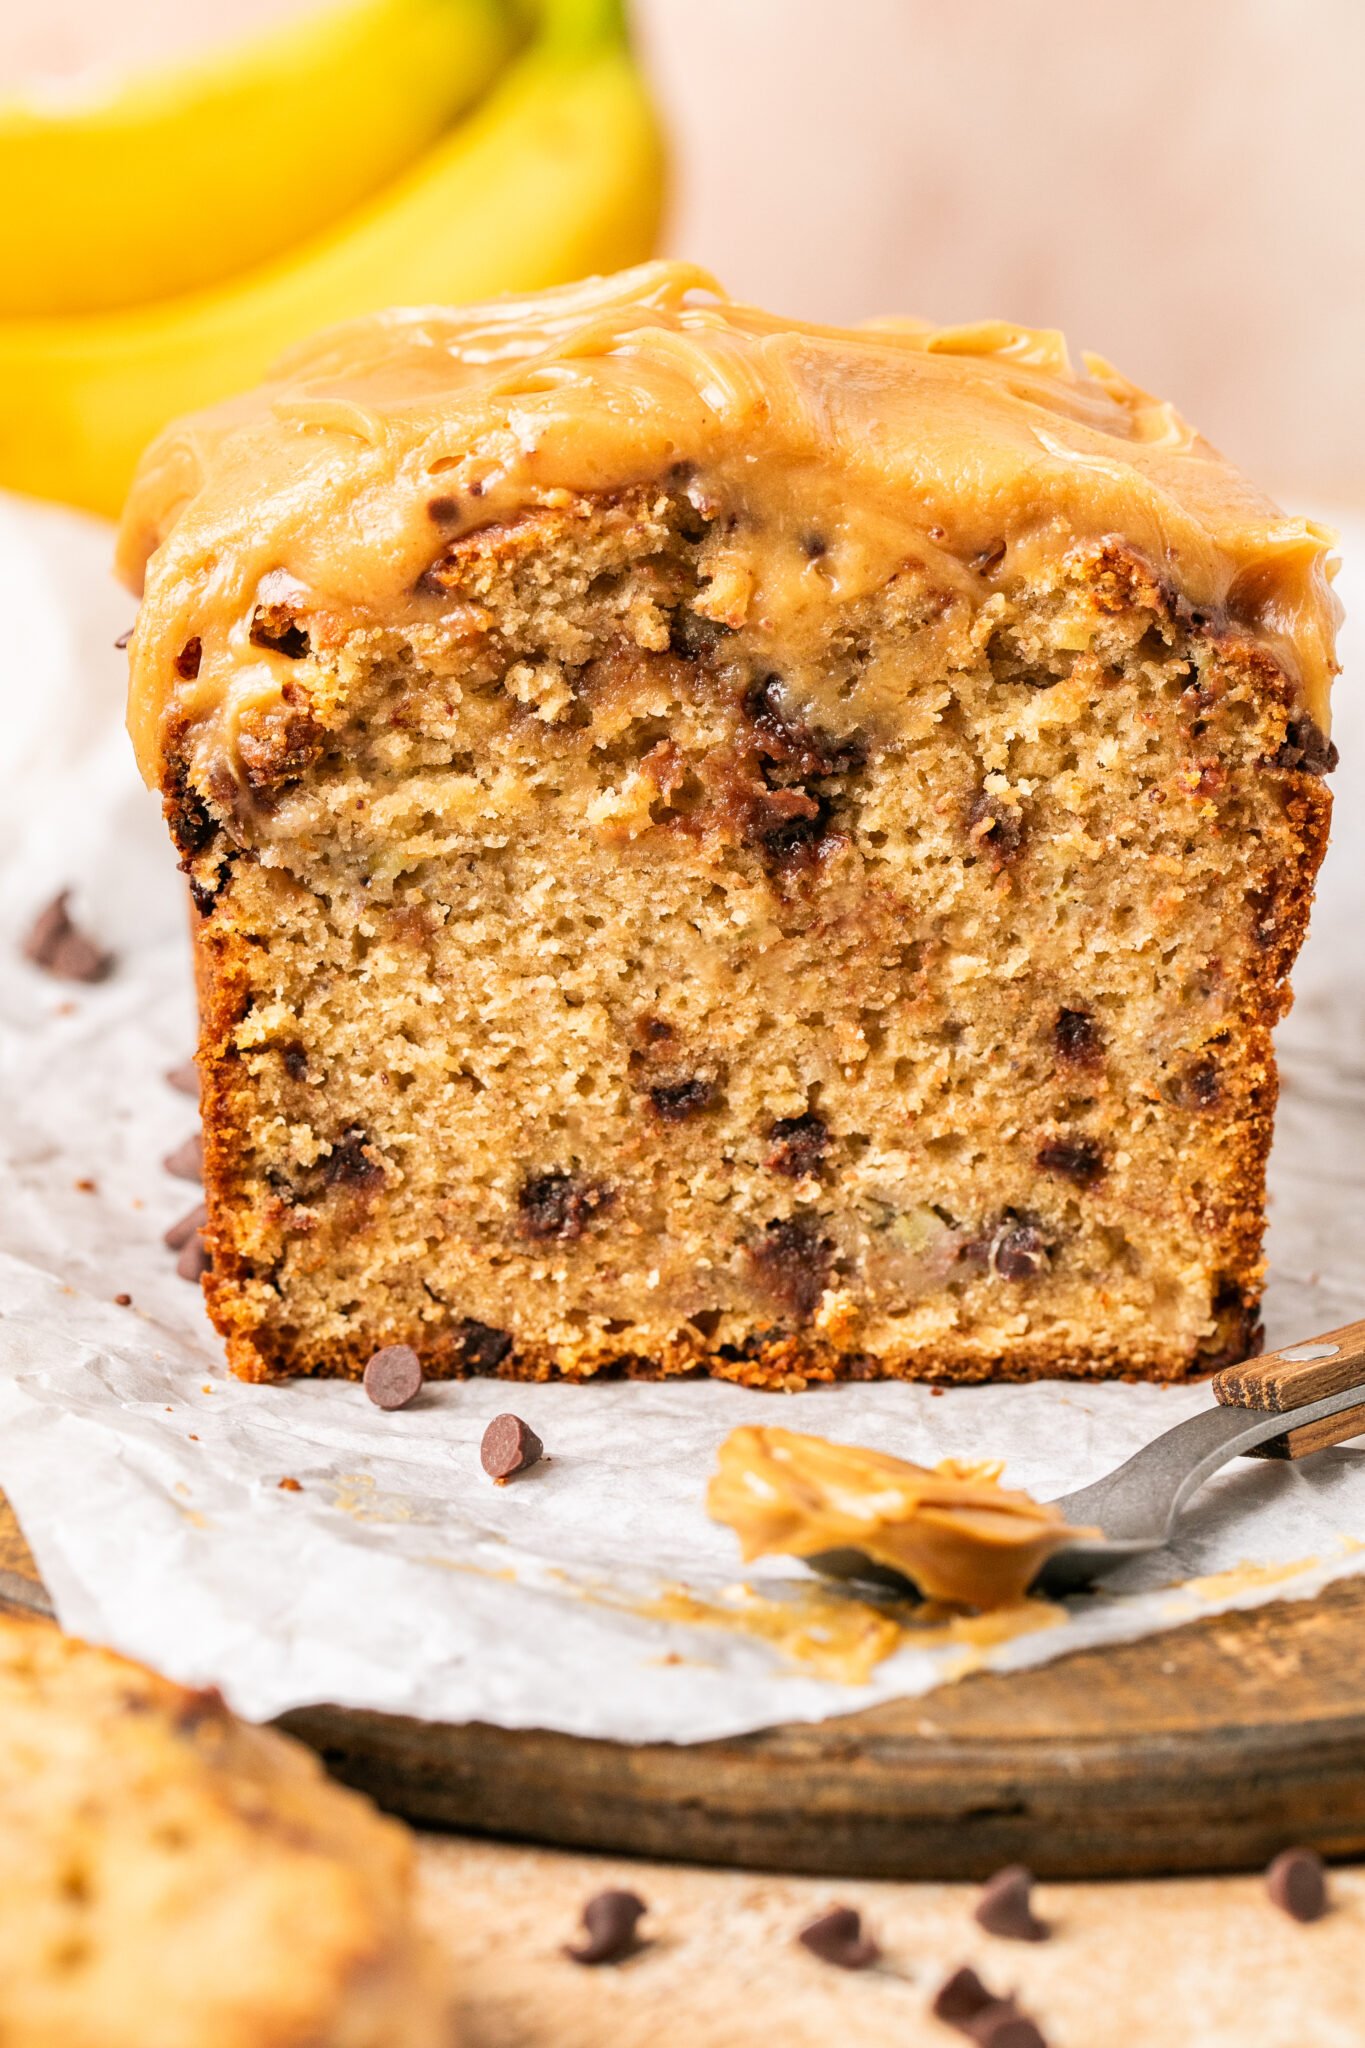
pixel 1207 1748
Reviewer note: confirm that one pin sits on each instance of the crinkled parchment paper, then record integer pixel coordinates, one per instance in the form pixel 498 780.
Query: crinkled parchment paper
pixel 397 1576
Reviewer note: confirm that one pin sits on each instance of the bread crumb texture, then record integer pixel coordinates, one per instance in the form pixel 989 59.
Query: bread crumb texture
pixel 582 994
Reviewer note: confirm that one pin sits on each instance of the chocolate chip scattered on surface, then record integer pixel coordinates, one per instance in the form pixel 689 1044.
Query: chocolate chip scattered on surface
pixel 837 1937
pixel 509 1446
pixel 184 1078
pixel 184 1228
pixel 1297 1884
pixel 610 1921
pixel 1005 1906
pixel 194 1260
pixel 393 1376
pixel 59 947
pixel 187 1160
pixel 963 2001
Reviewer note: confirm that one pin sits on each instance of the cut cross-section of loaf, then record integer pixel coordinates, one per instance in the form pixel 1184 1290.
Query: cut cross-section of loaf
pixel 731 845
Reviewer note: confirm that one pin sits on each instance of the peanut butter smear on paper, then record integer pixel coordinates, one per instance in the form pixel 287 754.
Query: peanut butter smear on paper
pixel 954 1530
pixel 976 454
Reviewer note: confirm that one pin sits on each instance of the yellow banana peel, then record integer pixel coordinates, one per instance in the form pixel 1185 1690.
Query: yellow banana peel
pixel 179 179
pixel 556 175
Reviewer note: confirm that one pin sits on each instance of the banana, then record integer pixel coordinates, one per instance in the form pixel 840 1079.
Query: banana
pixel 556 174
pixel 186 176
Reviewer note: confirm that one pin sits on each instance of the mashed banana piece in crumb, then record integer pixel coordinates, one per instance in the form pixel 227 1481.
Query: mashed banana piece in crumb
pixel 954 1529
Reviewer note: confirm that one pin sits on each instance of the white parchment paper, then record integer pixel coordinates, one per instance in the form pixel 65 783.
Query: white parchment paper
pixel 398 1577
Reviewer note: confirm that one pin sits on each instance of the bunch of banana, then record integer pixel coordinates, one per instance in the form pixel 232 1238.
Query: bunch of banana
pixel 556 172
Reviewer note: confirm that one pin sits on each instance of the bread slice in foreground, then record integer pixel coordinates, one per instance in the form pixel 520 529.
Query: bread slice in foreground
pixel 728 845
pixel 170 1878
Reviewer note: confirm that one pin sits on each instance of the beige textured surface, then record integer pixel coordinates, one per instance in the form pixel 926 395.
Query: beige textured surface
pixel 1198 1963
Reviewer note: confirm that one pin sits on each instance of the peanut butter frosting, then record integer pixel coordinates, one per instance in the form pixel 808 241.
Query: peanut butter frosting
pixel 954 1530
pixel 979 453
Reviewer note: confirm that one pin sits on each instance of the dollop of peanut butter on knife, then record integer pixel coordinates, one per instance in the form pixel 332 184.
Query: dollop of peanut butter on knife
pixel 953 1529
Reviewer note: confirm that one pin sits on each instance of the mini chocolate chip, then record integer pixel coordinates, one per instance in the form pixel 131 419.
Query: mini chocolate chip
pixel 1297 1883
pixel 1307 747
pixel 182 1231
pixel 482 1348
pixel 799 1144
pixel 351 1161
pixel 61 949
pixel 992 2022
pixel 961 1998
pixel 813 546
pixel 393 1376
pixel 1200 1086
pixel 1018 1252
pixel 793 1259
pixel 558 1207
pixel 1004 1906
pixel 194 1260
pixel 123 1301
pixel 295 1061
pixel 837 1937
pixel 275 627
pixel 187 1160
pixel 675 1101
pixel 188 660
pixel 996 829
pixel 124 637
pixel 1077 1037
pixel 653 1030
pixel 609 1920
pixel 444 511
pixel 1079 1160
pixel 185 1078
pixel 509 1446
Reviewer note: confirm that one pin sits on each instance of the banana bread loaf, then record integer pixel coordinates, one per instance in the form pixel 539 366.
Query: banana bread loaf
pixel 722 844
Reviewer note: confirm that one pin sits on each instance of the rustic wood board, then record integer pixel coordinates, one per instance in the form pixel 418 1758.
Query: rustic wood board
pixel 1206 1748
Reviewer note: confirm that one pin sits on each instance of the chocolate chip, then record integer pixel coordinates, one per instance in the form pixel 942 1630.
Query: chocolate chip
pixel 1019 1251
pixel 444 511
pixel 61 949
pixel 991 2021
pixel 961 1998
pixel 188 660
pixel 609 1920
pixel 785 740
pixel 996 829
pixel 184 1078
pixel 482 1348
pixel 295 1061
pixel 1200 1086
pixel 123 1301
pixel 837 1937
pixel 1004 1906
pixel 1297 1883
pixel 509 1446
pixel 187 1160
pixel 1079 1160
pixel 813 546
pixel 793 1259
pixel 1307 747
pixel 674 1102
pixel 182 1231
pixel 351 1161
pixel 692 636
pixel 124 637
pixel 798 1143
pixel 1077 1038
pixel 558 1207
pixel 194 1260
pixel 274 626
pixel 393 1376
